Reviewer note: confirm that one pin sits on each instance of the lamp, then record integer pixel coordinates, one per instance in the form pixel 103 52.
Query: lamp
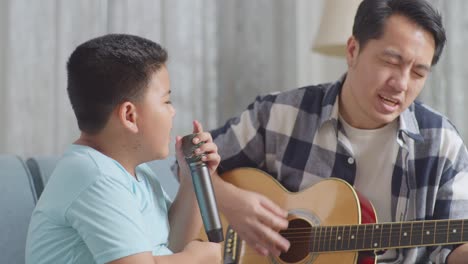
pixel 335 27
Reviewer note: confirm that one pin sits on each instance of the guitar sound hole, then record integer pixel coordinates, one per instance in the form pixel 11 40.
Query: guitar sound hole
pixel 298 234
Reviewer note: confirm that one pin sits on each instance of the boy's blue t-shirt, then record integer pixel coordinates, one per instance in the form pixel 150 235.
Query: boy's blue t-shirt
pixel 93 211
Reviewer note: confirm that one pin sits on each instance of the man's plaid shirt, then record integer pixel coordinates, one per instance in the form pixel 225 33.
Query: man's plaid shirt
pixel 296 137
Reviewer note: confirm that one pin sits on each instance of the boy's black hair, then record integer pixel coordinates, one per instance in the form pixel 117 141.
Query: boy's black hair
pixel 107 71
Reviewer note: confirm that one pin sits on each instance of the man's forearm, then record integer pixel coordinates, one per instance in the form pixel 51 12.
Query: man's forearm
pixel 223 192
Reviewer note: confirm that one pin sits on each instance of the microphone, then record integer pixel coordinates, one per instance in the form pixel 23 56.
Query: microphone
pixel 203 190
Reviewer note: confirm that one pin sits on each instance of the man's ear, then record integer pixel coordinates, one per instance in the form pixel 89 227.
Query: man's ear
pixel 352 51
pixel 128 116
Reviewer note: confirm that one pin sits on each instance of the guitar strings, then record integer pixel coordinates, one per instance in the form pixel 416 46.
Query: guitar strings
pixel 332 246
pixel 398 237
pixel 378 234
pixel 369 233
pixel 332 239
pixel 318 242
pixel 333 243
pixel 382 231
pixel 363 225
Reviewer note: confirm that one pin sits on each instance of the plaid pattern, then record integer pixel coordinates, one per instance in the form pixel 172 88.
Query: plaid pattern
pixel 296 137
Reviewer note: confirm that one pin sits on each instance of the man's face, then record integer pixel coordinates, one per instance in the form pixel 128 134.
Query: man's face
pixel 155 116
pixel 387 74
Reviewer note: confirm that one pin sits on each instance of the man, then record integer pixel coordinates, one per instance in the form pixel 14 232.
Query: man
pixel 101 204
pixel 366 128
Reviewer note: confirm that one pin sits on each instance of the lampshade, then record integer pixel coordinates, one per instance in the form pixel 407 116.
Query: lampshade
pixel 335 27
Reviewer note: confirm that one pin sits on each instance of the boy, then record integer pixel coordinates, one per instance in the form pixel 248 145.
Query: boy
pixel 101 204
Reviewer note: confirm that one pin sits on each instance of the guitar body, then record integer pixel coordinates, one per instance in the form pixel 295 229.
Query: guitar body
pixel 330 202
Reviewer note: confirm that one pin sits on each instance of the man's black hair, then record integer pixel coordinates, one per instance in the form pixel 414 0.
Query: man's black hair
pixel 371 16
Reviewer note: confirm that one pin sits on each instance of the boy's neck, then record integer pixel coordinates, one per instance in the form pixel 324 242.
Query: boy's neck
pixel 112 147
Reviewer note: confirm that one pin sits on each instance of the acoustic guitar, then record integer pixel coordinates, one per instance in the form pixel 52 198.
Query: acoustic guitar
pixel 330 222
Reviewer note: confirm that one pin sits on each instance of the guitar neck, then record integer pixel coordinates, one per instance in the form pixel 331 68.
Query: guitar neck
pixel 387 235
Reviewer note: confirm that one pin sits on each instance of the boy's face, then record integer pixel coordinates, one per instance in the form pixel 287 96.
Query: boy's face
pixel 387 74
pixel 155 116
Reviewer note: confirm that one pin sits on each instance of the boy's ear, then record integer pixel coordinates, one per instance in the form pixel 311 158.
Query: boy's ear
pixel 128 116
pixel 352 51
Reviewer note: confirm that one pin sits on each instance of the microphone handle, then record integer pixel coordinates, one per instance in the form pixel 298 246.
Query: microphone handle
pixel 206 201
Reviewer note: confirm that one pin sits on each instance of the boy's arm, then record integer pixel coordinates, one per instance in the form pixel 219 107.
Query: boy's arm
pixel 143 258
pixel 184 214
pixel 184 217
pixel 195 252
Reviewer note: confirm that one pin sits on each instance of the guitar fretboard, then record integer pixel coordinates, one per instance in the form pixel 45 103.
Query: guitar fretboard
pixel 387 235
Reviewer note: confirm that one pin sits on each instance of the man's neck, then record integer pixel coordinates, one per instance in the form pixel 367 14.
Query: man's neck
pixel 350 110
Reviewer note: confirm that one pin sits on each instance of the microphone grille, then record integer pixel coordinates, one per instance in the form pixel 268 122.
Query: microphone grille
pixel 188 148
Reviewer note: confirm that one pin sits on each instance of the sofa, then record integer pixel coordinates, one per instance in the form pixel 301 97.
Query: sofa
pixel 21 184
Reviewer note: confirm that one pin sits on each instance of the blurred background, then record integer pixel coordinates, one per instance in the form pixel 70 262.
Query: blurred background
pixel 222 55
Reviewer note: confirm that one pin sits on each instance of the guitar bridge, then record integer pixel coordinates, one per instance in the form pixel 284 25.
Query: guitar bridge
pixel 231 247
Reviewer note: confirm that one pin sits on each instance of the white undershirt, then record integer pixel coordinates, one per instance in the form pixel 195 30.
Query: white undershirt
pixel 375 152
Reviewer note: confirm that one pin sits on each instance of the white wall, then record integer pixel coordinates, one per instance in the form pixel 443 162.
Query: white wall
pixel 222 54
pixel 37 38
pixel 312 67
